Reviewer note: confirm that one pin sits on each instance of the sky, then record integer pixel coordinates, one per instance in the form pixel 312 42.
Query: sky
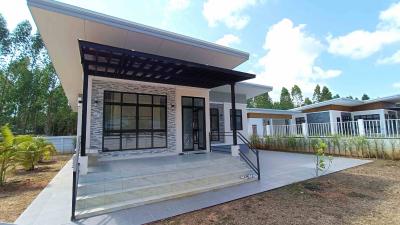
pixel 353 47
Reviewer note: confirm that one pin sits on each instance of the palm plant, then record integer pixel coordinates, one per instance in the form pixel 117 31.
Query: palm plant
pixel 7 153
pixel 31 150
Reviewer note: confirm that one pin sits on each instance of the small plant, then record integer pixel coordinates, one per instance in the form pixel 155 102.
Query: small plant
pixel 255 141
pixel 360 143
pixel 292 143
pixel 393 146
pixel 336 143
pixel 7 153
pixel 322 161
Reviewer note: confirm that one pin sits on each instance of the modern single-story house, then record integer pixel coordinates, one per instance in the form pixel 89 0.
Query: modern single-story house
pixel 339 110
pixel 142 92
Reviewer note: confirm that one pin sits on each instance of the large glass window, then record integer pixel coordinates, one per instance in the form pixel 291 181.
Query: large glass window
pixel 134 121
pixel 238 115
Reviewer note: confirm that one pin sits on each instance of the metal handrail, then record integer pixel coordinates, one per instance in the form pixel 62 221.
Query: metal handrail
pixel 254 166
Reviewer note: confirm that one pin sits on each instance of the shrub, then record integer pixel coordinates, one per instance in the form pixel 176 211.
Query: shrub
pixel 322 162
pixel 31 150
pixel 7 153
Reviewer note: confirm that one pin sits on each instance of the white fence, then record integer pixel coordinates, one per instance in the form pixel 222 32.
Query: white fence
pixel 63 144
pixel 369 128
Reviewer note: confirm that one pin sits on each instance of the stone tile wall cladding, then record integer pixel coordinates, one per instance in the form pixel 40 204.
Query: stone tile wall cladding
pixel 96 126
pixel 220 108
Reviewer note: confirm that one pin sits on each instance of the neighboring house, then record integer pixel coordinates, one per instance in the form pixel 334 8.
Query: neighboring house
pixel 142 92
pixel 340 110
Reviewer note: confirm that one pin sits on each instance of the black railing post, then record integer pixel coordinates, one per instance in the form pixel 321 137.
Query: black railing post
pixel 233 114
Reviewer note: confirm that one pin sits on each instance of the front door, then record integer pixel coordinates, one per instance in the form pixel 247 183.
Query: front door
pixel 193 124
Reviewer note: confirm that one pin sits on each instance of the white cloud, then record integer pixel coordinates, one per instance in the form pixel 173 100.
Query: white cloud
pixel 228 12
pixel 176 5
pixel 396 85
pixel 228 40
pixel 393 59
pixel 290 59
pixel 360 44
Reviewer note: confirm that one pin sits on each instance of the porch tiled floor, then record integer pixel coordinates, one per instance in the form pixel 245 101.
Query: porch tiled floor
pixel 277 169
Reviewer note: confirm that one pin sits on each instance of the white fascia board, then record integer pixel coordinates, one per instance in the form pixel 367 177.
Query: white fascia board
pixel 132 26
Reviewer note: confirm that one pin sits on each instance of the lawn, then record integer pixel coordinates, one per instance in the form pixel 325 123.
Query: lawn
pixel 368 194
pixel 22 187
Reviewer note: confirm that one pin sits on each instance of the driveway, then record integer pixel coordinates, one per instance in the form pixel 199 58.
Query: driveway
pixel 278 169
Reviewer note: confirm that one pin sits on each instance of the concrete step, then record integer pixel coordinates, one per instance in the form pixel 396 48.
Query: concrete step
pixel 100 203
pixel 95 177
pixel 105 185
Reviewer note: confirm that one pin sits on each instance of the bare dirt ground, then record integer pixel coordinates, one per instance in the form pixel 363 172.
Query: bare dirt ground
pixel 369 194
pixel 22 187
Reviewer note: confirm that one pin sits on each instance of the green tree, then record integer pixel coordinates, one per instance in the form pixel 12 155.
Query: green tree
pixel 307 101
pixel 365 97
pixel 31 97
pixel 297 96
pixel 326 94
pixel 285 99
pixel 250 103
pixel 336 96
pixel 317 94
pixel 263 101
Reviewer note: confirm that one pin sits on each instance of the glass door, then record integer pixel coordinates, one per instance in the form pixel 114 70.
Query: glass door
pixel 193 124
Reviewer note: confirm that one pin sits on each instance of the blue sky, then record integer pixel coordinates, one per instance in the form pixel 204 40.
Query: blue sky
pixel 353 47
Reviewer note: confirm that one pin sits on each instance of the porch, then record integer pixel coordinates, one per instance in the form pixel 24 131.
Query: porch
pixel 278 169
pixel 113 185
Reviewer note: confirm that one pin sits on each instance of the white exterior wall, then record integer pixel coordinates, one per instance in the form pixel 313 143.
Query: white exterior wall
pixel 258 122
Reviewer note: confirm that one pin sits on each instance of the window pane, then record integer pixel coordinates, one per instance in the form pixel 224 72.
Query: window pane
pixel 112 142
pixel 159 118
pixel 187 101
pixel 198 102
pixel 112 117
pixel 130 98
pixel 145 99
pixel 160 100
pixel 112 97
pixel 129 141
pixel 145 117
pixel 144 140
pixel 159 139
pixel 129 117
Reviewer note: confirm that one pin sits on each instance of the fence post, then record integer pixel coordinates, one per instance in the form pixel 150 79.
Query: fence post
pixel 361 128
pixel 268 129
pixel 304 128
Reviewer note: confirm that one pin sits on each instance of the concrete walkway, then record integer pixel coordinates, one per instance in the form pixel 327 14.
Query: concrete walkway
pixel 53 205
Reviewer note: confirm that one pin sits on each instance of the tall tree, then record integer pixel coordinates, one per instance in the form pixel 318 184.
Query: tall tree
pixel 250 103
pixel 297 96
pixel 326 94
pixel 285 99
pixel 307 101
pixel 336 96
pixel 365 97
pixel 317 94
pixel 31 97
pixel 263 101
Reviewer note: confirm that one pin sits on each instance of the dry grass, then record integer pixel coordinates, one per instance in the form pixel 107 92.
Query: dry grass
pixel 369 194
pixel 22 187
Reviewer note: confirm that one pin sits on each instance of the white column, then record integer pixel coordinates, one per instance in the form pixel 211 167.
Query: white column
pixel 361 128
pixel 268 129
pixel 304 128
pixel 383 122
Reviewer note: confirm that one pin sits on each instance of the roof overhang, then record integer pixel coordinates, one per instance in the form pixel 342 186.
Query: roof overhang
pixel 336 101
pixel 272 111
pixel 107 61
pixel 62 25
pixel 249 89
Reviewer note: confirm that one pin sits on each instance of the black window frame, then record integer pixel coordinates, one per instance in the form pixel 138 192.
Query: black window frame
pixel 239 119
pixel 136 130
pixel 214 112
